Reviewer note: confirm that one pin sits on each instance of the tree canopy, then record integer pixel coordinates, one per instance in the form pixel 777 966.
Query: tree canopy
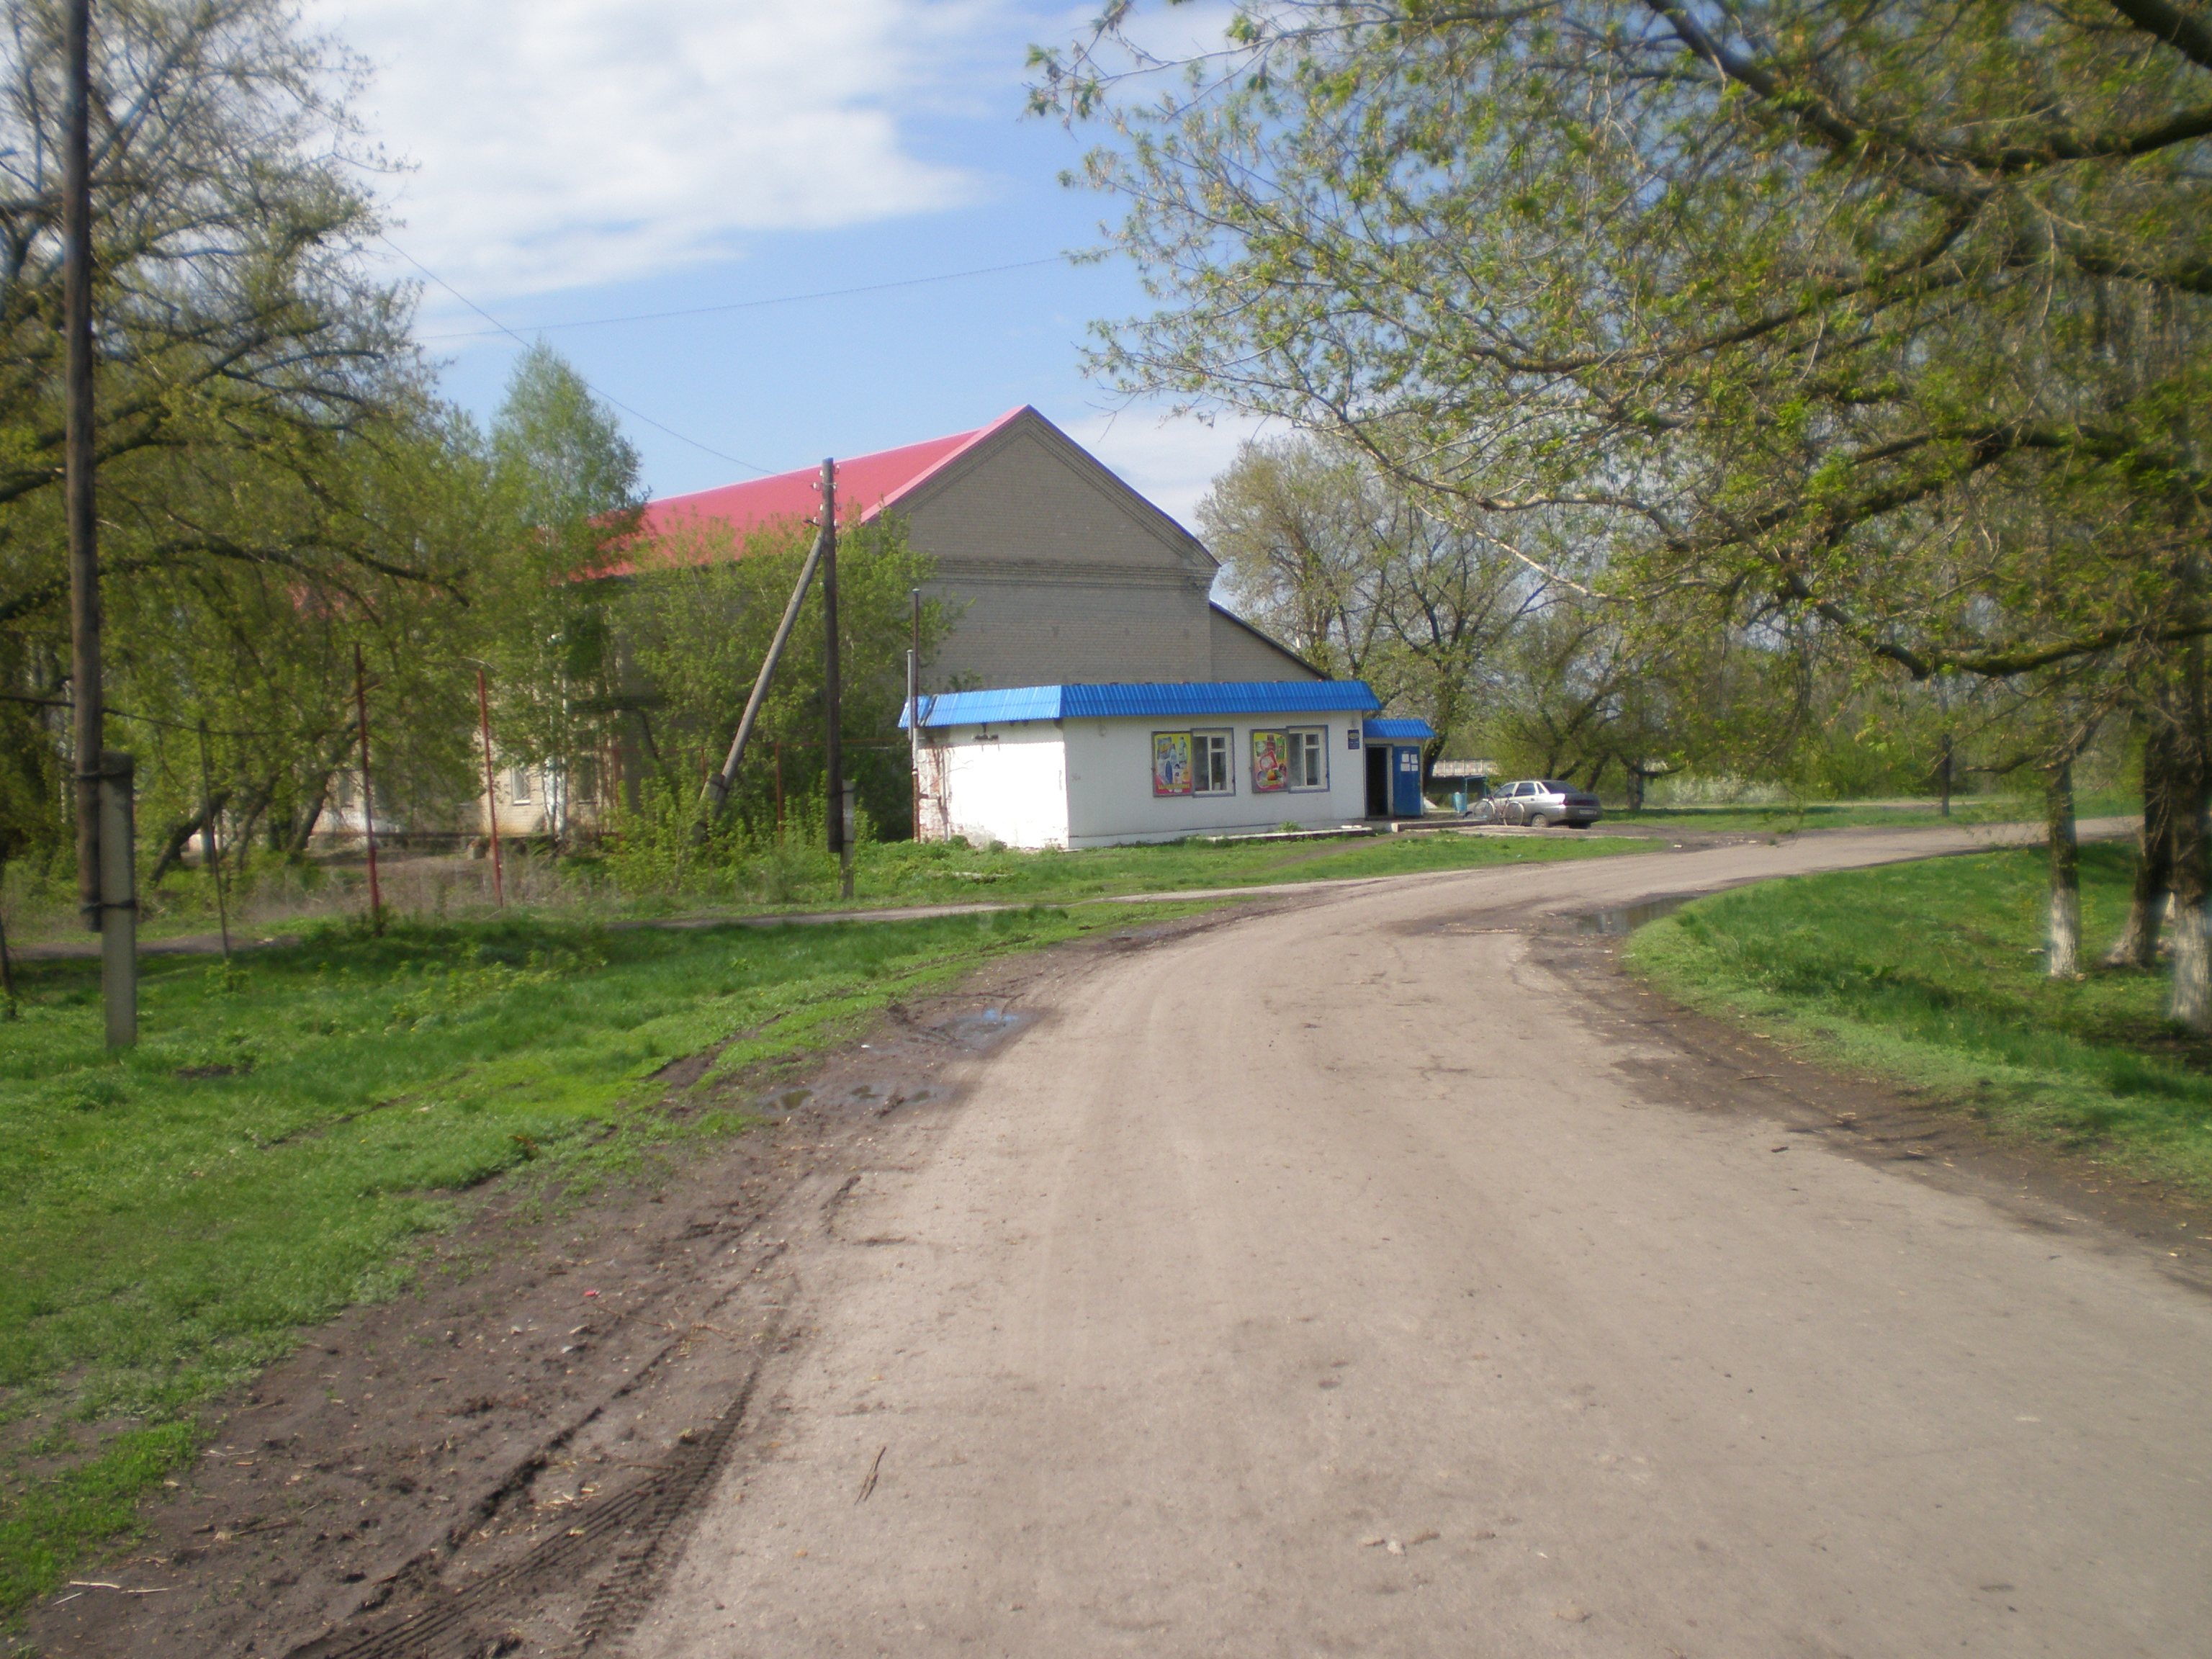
pixel 1886 317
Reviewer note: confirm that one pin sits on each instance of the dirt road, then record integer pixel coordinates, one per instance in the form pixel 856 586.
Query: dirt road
pixel 1350 1279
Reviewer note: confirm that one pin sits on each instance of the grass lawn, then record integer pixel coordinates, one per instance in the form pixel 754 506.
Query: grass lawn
pixel 794 878
pixel 1870 814
pixel 284 1133
pixel 936 871
pixel 1931 974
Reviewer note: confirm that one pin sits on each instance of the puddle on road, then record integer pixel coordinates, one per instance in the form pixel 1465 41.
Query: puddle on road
pixel 1628 918
pixel 985 1028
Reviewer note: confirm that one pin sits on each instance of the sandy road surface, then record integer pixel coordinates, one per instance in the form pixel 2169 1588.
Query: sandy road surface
pixel 1329 1282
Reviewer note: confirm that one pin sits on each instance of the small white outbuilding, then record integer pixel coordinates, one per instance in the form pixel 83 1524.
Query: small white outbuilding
pixel 1078 766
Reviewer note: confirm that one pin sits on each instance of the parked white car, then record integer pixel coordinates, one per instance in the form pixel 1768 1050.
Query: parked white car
pixel 1539 803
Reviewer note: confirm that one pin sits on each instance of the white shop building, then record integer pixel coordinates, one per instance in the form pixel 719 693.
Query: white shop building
pixel 1078 766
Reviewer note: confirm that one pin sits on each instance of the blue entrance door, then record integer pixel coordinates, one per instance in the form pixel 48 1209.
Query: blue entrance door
pixel 1405 782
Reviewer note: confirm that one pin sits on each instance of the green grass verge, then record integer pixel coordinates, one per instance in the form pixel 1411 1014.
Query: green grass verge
pixel 776 879
pixel 1931 974
pixel 936 871
pixel 1789 817
pixel 284 1135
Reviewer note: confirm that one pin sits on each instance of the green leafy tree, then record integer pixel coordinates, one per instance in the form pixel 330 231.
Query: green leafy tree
pixel 276 484
pixel 698 619
pixel 1881 322
pixel 566 478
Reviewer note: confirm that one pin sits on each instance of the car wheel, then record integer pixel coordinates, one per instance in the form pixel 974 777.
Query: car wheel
pixel 1538 821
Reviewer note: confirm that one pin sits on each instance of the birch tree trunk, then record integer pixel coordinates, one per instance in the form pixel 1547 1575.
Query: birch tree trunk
pixel 2137 944
pixel 2065 930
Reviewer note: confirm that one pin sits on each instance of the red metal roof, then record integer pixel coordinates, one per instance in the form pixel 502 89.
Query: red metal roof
pixel 866 485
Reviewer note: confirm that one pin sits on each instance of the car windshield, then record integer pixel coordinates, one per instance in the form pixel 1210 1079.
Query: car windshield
pixel 1552 787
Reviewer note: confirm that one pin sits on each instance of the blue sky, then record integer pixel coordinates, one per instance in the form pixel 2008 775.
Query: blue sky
pixel 575 160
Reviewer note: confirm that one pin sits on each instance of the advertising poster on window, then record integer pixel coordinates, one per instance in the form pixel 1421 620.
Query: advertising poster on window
pixel 1271 761
pixel 1171 762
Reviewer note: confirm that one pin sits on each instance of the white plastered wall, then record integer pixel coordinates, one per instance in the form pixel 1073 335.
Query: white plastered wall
pixel 1109 781
pixel 1005 782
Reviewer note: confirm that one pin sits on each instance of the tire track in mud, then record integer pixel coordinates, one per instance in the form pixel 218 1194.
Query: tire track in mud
pixel 621 1542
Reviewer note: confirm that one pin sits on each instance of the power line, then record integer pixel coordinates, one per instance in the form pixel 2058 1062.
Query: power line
pixel 503 328
pixel 754 305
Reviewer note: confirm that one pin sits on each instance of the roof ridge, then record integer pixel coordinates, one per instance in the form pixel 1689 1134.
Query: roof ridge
pixel 966 443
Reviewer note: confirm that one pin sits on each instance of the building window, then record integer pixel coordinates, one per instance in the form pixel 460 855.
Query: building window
pixel 518 785
pixel 1171 762
pixel 1308 758
pixel 1271 761
pixel 342 790
pixel 1209 759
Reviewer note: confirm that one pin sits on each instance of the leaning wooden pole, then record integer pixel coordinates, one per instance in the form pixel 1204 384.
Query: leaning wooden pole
pixel 716 793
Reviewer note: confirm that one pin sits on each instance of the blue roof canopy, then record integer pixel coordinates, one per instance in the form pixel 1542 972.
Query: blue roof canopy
pixel 1173 700
pixel 1413 730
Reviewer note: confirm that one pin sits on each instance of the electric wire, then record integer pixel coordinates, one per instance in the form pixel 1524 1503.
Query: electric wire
pixel 754 305
pixel 503 328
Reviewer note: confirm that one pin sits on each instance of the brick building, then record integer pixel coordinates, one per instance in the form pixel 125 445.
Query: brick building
pixel 1053 569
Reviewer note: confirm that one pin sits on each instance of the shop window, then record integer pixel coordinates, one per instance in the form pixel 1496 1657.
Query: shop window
pixel 1271 761
pixel 1209 763
pixel 1171 762
pixel 1309 757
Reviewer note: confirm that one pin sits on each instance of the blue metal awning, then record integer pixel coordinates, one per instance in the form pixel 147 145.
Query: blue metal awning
pixel 1415 730
pixel 1175 700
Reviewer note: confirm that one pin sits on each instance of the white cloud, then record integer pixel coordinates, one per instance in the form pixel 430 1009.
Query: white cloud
pixel 559 143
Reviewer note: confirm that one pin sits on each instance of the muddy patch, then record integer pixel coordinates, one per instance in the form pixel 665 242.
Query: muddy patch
pixel 1624 920
pixel 501 1459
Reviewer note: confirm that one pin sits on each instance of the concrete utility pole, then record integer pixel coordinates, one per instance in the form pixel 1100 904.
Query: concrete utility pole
pixel 109 908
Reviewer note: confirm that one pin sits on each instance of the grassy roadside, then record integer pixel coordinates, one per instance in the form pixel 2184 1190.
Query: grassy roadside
pixel 1789 817
pixel 1932 975
pixel 285 1132
pixel 790 877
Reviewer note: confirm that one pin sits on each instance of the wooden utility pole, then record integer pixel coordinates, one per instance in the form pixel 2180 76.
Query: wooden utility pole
pixel 914 709
pixel 118 903
pixel 107 874
pixel 491 792
pixel 87 693
pixel 833 748
pixel 715 795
